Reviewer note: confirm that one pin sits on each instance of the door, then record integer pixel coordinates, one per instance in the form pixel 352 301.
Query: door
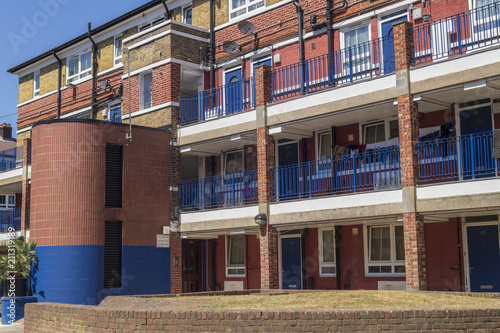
pixel 484 258
pixel 288 171
pixel 234 100
pixel 115 113
pixel 191 266
pixel 388 44
pixel 476 148
pixel 291 263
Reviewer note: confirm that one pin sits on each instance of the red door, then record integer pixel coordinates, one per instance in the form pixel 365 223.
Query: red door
pixel 192 275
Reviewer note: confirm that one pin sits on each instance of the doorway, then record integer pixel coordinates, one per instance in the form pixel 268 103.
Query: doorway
pixel 388 41
pixel 291 263
pixel 192 275
pixel 234 101
pixel 288 171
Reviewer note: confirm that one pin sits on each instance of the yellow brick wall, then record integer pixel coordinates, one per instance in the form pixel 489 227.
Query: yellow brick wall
pixel 48 77
pixel 176 14
pixel 130 32
pixel 105 54
pixel 271 2
pixel 153 119
pixel 25 88
pixel 22 136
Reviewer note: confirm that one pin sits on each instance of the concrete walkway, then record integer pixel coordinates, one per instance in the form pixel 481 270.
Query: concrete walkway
pixel 16 328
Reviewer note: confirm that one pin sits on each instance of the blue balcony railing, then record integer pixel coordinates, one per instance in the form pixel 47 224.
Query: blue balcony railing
pixel 11 159
pixel 219 191
pixel 373 58
pixel 10 218
pixel 371 170
pixel 457 34
pixel 218 102
pixel 464 157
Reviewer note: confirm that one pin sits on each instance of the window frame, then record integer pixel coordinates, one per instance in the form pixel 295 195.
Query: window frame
pixel 321 262
pixel 248 3
pixel 320 135
pixel 184 10
pixel 152 23
pixel 224 159
pixel 392 262
pixel 8 205
pixel 36 92
pixel 235 266
pixel 345 59
pixel 142 105
pixel 387 128
pixel 78 75
pixel 117 59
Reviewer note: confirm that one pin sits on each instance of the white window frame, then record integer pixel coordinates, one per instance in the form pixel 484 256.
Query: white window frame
pixel 224 159
pixel 184 11
pixel 248 3
pixel 345 59
pixel 387 128
pixel 117 58
pixel 79 74
pixel 320 141
pixel 392 262
pixel 7 204
pixel 323 264
pixel 36 92
pixel 239 266
pixel 141 92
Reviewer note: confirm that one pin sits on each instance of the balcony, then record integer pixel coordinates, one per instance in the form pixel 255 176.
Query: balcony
pixel 11 159
pixel 10 218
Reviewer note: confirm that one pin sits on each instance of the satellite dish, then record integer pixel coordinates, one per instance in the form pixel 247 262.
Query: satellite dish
pixel 104 84
pixel 230 47
pixel 246 27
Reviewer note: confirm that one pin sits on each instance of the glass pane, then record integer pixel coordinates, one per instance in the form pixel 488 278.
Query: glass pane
pixel 393 129
pixel 328 246
pixel 148 91
pixel 357 36
pixel 400 243
pixel 380 241
pixel 188 15
pixel 239 12
pixel 37 81
pixel 2 200
pixel 399 269
pixel 374 133
pixel 118 48
pixel 374 269
pixel 86 61
pixel 255 6
pixel 380 133
pixel 238 3
pixel 12 200
pixel 325 150
pixel 73 66
pixel 234 162
pixel 328 270
pixel 236 248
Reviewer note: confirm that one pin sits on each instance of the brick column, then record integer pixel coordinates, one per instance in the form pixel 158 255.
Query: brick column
pixel 414 239
pixel 26 187
pixel 173 93
pixel 269 274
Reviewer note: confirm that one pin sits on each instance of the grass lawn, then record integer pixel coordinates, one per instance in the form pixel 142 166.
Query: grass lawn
pixel 359 299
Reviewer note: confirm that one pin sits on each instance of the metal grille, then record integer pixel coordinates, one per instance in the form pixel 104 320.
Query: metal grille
pixel 114 167
pixel 113 255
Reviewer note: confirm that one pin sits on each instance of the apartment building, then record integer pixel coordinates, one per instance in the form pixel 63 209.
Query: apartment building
pixel 314 145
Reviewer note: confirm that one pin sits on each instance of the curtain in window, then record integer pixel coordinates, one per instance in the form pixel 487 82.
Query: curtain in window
pixel 374 133
pixel 325 150
pixel 380 241
pixel 236 248
pixel 328 246
pixel 234 162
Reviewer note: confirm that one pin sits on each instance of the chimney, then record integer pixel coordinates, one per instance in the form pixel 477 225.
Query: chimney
pixel 6 131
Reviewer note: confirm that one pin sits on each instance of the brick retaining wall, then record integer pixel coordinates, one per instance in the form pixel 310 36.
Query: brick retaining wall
pixel 149 314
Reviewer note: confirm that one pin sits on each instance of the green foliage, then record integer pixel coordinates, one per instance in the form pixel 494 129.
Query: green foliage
pixel 20 258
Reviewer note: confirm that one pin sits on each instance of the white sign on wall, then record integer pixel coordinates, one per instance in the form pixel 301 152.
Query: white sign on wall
pixel 162 240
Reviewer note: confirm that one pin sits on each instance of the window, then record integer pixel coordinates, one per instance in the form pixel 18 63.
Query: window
pixel 386 250
pixel 235 256
pixel 36 84
pixel 113 179
pixel 240 7
pixel 79 66
pixel 233 162
pixel 113 254
pixel 146 98
pixel 187 14
pixel 358 56
pixel 7 201
pixel 118 50
pixel 380 131
pixel 158 20
pixel 486 19
pixel 326 239
pixel 325 145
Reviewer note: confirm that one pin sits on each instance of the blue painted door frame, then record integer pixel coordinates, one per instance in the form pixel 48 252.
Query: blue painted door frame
pixel 388 44
pixel 484 258
pixel 291 263
pixel 234 100
pixel 115 114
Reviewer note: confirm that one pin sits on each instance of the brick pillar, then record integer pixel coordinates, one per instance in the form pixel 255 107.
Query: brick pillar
pixel 26 187
pixel 269 274
pixel 173 93
pixel 414 238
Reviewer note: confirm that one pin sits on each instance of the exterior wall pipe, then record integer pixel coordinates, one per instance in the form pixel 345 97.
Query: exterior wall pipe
pixel 94 72
pixel 300 14
pixel 167 11
pixel 59 70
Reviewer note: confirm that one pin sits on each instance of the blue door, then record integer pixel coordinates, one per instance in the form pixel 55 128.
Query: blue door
pixel 288 174
pixel 234 100
pixel 476 149
pixel 291 263
pixel 115 114
pixel 388 44
pixel 484 258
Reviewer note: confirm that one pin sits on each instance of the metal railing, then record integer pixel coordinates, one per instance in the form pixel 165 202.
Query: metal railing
pixel 457 34
pixel 371 170
pixel 11 158
pixel 373 58
pixel 219 191
pixel 10 218
pixel 218 102
pixel 465 157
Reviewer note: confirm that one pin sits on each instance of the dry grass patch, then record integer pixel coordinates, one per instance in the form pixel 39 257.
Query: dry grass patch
pixel 359 299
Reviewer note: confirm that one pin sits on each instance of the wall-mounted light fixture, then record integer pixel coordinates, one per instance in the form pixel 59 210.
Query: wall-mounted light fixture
pixel 426 17
pixel 260 219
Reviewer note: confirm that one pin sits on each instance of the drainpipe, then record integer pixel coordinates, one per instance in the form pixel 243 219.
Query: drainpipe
pixel 167 11
pixel 94 72
pixel 300 14
pixel 59 69
pixel 329 33
pixel 212 46
pixel 337 256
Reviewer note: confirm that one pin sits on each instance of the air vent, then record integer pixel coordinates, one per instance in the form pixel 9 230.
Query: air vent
pixel 113 255
pixel 114 171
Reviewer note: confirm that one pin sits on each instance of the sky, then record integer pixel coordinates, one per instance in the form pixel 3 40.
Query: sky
pixel 31 27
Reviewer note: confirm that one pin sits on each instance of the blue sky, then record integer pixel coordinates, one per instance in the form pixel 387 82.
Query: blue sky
pixel 31 27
